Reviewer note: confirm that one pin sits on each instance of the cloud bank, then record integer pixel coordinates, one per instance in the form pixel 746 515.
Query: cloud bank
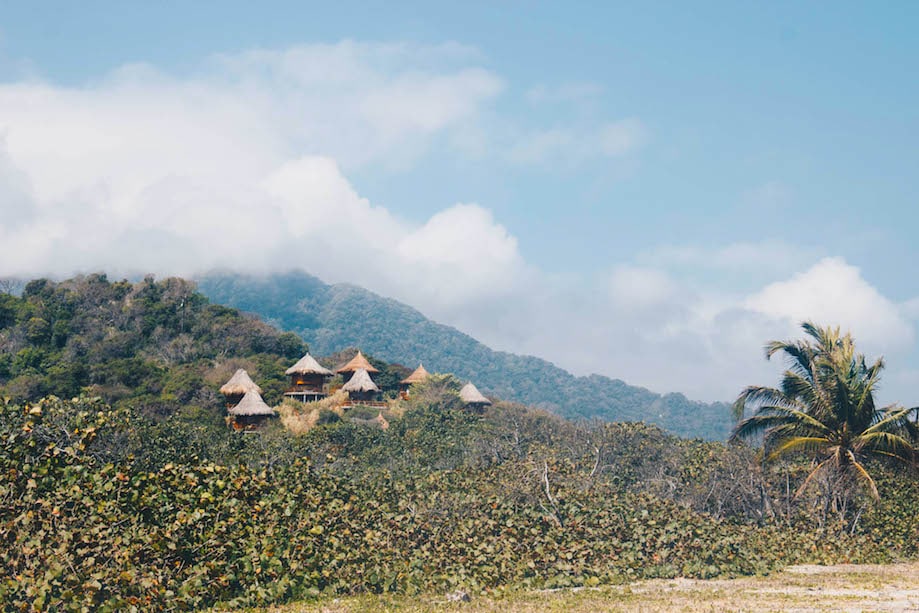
pixel 653 326
pixel 243 164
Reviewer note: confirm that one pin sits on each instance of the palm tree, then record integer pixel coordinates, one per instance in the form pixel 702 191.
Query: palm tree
pixel 825 407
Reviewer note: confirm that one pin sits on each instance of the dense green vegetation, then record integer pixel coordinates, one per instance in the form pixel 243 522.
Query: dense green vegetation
pixel 330 317
pixel 106 509
pixel 825 408
pixel 155 345
pixel 135 494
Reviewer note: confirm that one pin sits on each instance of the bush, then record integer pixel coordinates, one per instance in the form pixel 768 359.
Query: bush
pixel 103 509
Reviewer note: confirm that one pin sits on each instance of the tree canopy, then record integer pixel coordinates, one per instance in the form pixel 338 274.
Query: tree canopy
pixel 159 345
pixel 825 407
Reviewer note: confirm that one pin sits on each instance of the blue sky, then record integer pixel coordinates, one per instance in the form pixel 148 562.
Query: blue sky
pixel 645 172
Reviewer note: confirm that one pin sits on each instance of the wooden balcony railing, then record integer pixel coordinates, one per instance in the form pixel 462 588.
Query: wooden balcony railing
pixel 364 403
pixel 299 389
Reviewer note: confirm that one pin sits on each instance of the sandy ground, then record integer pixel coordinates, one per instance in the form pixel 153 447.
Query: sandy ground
pixel 798 588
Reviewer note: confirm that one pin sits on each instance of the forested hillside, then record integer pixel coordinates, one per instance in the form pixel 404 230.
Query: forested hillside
pixel 135 495
pixel 330 317
pixel 156 345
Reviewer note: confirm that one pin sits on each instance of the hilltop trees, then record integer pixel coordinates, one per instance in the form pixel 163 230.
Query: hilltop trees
pixel 825 407
pixel 151 344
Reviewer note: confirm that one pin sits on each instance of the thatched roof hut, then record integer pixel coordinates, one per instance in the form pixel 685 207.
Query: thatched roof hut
pixel 308 366
pixel 360 382
pixel 470 394
pixel 418 376
pixel 307 379
pixel 239 384
pixel 251 405
pixel 358 362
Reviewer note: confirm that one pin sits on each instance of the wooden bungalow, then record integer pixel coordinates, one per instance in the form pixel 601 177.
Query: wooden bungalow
pixel 473 398
pixel 358 362
pixel 237 387
pixel 418 376
pixel 308 380
pixel 361 389
pixel 251 411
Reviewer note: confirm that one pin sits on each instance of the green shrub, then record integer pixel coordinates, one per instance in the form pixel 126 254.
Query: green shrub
pixel 105 510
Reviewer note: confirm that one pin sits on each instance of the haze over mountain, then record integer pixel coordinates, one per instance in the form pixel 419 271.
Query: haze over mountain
pixel 638 207
pixel 331 317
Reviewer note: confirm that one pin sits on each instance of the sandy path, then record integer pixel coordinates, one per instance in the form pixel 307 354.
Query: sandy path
pixel 843 587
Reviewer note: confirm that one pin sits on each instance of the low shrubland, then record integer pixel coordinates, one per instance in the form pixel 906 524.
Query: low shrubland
pixel 108 509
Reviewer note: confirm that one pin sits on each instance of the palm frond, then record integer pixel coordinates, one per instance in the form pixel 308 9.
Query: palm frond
pixel 754 426
pixel 823 336
pixel 862 474
pixel 799 443
pixel 888 455
pixel 886 443
pixel 754 396
pixel 800 418
pixel 888 420
pixel 798 354
pixel 810 477
pixel 772 417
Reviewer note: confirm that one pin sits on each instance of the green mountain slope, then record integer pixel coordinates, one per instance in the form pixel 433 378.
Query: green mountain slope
pixel 331 317
pixel 158 346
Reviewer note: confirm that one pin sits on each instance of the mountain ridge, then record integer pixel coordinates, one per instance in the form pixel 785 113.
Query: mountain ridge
pixel 330 317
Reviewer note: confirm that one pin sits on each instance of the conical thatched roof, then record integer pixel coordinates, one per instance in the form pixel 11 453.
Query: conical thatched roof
pixel 239 383
pixel 418 376
pixel 360 382
pixel 470 394
pixel 358 362
pixel 308 366
pixel 251 404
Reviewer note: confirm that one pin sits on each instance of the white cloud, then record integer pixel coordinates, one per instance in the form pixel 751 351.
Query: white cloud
pixel 240 167
pixel 653 326
pixel 465 246
pixel 636 288
pixel 910 308
pixel 315 199
pixel 242 164
pixel 833 292
pixel 766 256
pixel 356 103
pixel 569 145
pixel 245 166
pixel 16 199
